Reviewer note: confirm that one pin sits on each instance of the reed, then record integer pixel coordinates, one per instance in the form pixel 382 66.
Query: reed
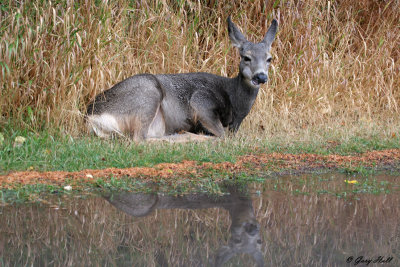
pixel 336 63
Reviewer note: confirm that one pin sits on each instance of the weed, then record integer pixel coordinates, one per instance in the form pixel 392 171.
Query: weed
pixel 335 66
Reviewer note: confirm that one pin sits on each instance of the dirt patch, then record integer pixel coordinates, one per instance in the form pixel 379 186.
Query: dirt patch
pixel 249 163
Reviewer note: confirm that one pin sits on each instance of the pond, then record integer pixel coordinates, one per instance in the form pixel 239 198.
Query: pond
pixel 305 220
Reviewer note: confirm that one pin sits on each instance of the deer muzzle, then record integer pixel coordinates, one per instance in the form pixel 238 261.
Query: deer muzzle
pixel 259 78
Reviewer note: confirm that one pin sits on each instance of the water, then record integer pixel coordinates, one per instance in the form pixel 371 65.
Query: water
pixel 308 220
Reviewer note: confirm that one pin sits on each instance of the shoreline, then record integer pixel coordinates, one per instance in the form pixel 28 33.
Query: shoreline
pixel 251 164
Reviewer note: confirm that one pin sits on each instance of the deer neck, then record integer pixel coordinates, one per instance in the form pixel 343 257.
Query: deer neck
pixel 242 94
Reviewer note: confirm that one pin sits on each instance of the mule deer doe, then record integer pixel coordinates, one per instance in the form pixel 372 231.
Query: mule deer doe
pixel 152 106
pixel 245 229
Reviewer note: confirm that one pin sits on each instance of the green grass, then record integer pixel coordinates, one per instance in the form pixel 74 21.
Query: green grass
pixel 45 152
pixel 352 145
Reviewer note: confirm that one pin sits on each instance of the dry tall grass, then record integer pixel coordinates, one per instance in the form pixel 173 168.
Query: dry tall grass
pixel 336 63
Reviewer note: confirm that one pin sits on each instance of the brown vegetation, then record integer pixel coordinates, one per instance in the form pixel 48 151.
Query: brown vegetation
pixel 251 164
pixel 336 63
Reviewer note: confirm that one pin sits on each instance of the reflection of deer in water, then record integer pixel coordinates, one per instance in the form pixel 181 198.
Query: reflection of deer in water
pixel 245 234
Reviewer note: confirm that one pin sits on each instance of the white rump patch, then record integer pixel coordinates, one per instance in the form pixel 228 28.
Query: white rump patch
pixel 103 125
pixel 157 126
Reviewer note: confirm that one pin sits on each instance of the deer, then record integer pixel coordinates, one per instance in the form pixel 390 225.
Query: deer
pixel 245 229
pixel 151 106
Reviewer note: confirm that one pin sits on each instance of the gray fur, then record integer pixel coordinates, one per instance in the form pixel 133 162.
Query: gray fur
pixel 245 229
pixel 148 106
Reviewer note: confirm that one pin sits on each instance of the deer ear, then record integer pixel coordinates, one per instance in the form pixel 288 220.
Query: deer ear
pixel 258 257
pixel 223 255
pixel 270 35
pixel 235 35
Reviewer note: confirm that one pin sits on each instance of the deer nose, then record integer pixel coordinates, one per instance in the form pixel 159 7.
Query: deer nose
pixel 260 78
pixel 251 228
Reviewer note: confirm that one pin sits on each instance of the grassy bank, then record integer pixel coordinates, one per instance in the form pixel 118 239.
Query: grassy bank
pixel 336 63
pixel 45 152
pixel 229 160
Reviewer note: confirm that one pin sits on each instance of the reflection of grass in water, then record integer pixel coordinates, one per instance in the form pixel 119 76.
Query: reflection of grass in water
pixel 344 227
pixel 306 184
pixel 315 230
pixel 335 184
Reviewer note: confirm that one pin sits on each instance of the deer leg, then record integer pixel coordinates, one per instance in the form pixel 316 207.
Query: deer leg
pixel 211 122
pixel 204 108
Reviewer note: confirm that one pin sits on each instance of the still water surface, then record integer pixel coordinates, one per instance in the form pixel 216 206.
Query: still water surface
pixel 303 220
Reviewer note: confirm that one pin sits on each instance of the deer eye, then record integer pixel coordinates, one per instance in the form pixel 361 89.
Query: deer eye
pixel 269 60
pixel 259 241
pixel 237 241
pixel 246 59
